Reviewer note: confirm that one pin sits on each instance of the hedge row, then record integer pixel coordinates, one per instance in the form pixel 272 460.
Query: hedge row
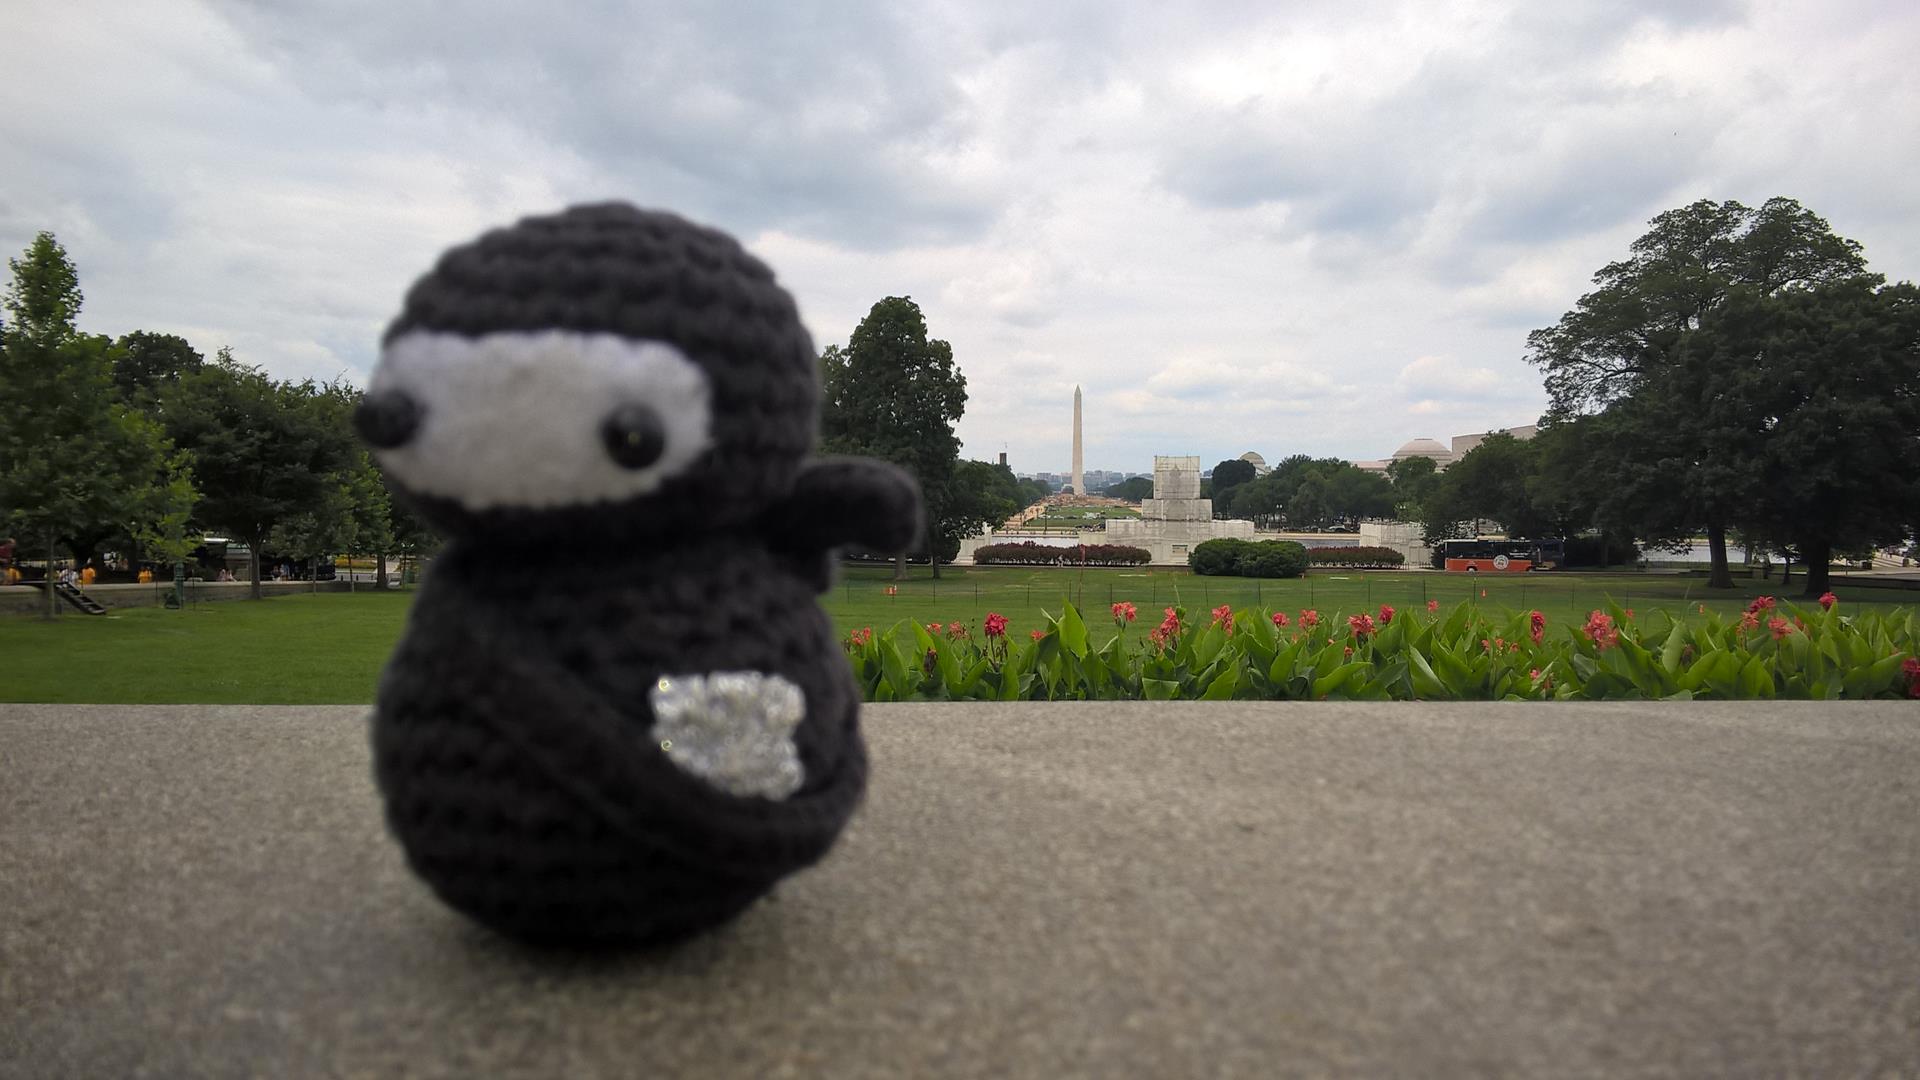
pixel 1028 553
pixel 1249 558
pixel 1355 556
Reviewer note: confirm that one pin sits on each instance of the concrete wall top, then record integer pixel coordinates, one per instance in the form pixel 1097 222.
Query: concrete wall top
pixel 1031 890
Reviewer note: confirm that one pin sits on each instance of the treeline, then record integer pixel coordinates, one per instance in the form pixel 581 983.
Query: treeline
pixel 1740 375
pixel 142 445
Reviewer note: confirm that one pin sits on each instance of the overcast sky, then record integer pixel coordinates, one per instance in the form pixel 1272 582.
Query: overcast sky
pixel 1304 227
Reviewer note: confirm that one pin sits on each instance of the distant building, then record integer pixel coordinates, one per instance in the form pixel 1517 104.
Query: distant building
pixel 1445 455
pixel 1260 466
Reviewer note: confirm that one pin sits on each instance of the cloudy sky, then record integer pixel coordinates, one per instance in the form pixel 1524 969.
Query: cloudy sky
pixel 1303 227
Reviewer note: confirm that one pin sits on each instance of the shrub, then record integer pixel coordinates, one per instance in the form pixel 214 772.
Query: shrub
pixel 1028 553
pixel 1355 557
pixel 1587 550
pixel 1231 557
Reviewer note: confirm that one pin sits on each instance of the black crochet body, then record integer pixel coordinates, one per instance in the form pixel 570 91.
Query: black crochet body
pixel 514 742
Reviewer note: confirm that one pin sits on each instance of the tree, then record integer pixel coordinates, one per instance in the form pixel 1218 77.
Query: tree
pixel 1413 480
pixel 265 452
pixel 984 494
pixel 1490 483
pixel 894 394
pixel 1634 342
pixel 1132 489
pixel 75 465
pixel 1824 390
pixel 1228 475
pixel 145 363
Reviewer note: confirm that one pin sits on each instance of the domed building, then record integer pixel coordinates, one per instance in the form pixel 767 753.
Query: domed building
pixel 1260 466
pixel 1427 448
pixel 1440 452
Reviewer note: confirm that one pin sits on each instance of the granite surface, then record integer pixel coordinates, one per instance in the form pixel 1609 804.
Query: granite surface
pixel 1031 890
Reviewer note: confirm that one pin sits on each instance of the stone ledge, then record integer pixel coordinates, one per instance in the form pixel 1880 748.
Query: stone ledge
pixel 1032 890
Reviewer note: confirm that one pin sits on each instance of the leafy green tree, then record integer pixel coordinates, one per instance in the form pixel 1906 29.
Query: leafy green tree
pixel 1413 480
pixel 1491 483
pixel 894 393
pixel 1132 489
pixel 265 453
pixel 1824 392
pixel 75 466
pixel 1228 475
pixel 145 363
pixel 984 494
pixel 1634 342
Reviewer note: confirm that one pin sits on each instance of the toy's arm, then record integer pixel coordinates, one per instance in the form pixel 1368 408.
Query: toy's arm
pixel 848 500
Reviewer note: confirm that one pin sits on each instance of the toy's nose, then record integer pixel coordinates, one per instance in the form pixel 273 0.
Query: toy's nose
pixel 387 418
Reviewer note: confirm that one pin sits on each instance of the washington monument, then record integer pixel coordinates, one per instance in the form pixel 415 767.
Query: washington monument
pixel 1079 477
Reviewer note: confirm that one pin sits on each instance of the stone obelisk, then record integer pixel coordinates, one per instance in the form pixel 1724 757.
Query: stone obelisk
pixel 1079 477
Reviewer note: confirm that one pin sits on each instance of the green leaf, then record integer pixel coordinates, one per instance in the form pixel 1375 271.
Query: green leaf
pixel 1676 644
pixel 1223 685
pixel 1338 678
pixel 1073 632
pixel 1159 689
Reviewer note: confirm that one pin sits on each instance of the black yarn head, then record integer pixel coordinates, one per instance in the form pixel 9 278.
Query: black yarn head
pixel 644 275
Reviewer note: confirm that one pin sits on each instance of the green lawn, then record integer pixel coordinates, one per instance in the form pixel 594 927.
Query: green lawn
pixel 328 648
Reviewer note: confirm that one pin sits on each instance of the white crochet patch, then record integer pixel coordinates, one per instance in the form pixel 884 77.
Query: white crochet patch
pixel 733 729
pixel 514 419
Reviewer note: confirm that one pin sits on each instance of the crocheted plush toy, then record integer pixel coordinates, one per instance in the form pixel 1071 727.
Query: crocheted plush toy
pixel 618 714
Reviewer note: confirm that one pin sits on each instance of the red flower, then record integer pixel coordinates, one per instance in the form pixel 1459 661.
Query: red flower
pixel 861 636
pixel 1499 643
pixel 1761 603
pixel 1433 606
pixel 996 624
pixel 1309 618
pixel 1749 621
pixel 1279 618
pixel 1386 614
pixel 1780 627
pixel 1537 626
pixel 956 630
pixel 1362 625
pixel 1036 634
pixel 1827 600
pixel 1223 616
pixel 1346 651
pixel 1600 630
pixel 1629 613
pixel 1170 626
pixel 933 628
pixel 1123 612
pixel 1911 668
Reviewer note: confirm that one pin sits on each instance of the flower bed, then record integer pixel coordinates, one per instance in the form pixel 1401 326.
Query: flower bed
pixel 1773 650
pixel 1378 558
pixel 1029 553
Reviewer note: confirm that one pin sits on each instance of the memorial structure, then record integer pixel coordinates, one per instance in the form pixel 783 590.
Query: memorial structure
pixel 1079 470
pixel 1176 518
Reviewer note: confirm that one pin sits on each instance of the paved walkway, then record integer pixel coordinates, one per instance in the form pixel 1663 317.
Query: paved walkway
pixel 1132 890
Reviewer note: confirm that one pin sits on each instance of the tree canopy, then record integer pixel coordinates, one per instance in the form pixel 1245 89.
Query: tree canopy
pixel 76 466
pixel 1640 351
pixel 1132 489
pixel 894 393
pixel 266 453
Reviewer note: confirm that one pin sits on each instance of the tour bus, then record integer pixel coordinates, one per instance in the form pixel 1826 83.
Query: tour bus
pixel 1496 554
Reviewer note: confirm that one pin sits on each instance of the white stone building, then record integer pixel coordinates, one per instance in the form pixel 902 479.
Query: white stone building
pixel 1176 518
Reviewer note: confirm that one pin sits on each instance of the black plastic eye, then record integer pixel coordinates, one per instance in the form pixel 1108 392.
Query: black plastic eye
pixel 634 436
pixel 387 418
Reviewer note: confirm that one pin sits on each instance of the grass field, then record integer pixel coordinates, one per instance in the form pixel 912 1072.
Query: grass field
pixel 328 648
